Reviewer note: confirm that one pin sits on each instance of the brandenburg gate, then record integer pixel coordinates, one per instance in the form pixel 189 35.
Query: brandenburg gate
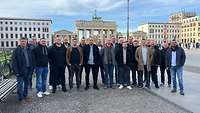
pixel 96 28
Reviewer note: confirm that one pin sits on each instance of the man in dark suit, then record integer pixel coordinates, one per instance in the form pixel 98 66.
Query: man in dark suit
pixel 123 57
pixel 91 61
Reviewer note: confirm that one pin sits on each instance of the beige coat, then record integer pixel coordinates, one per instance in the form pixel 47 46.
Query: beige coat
pixel 139 59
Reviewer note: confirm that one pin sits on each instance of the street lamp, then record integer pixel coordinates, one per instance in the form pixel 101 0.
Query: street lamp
pixel 128 18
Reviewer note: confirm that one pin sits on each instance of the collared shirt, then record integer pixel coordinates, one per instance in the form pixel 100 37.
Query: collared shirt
pixel 173 62
pixel 144 55
pixel 91 56
pixel 124 55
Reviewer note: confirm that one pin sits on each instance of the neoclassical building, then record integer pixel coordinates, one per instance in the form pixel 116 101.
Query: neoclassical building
pixel 96 28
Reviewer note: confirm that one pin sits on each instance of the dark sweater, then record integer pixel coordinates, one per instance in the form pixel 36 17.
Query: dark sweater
pixel 40 55
pixel 75 56
pixel 57 56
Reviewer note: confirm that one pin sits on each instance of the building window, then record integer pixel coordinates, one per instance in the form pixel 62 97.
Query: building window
pixel 11 23
pixel 20 28
pixel 7 44
pixel 21 35
pixel 47 23
pixel 47 29
pixel 11 29
pixel 20 23
pixel 30 35
pixel 38 23
pixel 38 29
pixel 16 35
pixel 34 29
pixel 6 22
pixel 2 44
pixel 6 28
pixel 38 35
pixel 6 35
pixel 12 44
pixel 42 23
pixel 25 35
pixel 15 23
pixel 16 29
pixel 33 23
pixel 29 28
pixel 1 22
pixel 11 35
pixel 1 28
pixel 16 43
pixel 25 29
pixel 2 36
pixel 47 35
pixel 25 23
pixel 43 35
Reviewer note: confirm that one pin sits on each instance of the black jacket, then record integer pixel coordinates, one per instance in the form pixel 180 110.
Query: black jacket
pixel 57 56
pixel 19 62
pixel 95 54
pixel 132 50
pixel 40 55
pixel 119 57
pixel 180 57
pixel 156 56
pixel 163 54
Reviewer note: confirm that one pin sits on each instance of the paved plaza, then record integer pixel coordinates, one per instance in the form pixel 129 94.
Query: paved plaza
pixel 115 100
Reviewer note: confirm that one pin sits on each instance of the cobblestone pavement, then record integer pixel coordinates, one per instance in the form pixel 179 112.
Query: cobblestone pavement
pixel 91 101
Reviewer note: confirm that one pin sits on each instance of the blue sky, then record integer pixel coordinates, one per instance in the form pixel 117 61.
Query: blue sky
pixel 65 12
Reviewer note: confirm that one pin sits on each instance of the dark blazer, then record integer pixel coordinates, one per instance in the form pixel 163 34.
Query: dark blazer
pixel 180 57
pixel 119 57
pixel 19 62
pixel 95 54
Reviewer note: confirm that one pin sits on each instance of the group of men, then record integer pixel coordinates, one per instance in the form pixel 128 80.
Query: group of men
pixel 115 60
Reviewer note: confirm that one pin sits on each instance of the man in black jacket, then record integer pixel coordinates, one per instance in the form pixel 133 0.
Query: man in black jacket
pixel 57 57
pixel 22 64
pixel 163 66
pixel 123 57
pixel 91 61
pixel 155 63
pixel 40 55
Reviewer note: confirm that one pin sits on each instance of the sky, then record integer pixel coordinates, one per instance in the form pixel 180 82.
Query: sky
pixel 64 12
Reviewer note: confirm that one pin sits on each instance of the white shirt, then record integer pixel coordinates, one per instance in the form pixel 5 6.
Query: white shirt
pixel 173 62
pixel 144 55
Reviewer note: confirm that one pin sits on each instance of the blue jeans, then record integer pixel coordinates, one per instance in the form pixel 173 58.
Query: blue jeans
pixel 22 84
pixel 108 74
pixel 41 78
pixel 179 72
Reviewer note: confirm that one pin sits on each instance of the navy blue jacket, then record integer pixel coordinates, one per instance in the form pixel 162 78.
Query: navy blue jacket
pixel 95 53
pixel 180 57
pixel 19 62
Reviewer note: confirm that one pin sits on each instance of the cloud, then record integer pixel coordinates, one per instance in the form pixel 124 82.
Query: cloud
pixel 56 7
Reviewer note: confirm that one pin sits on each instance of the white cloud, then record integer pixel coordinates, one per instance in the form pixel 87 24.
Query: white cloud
pixel 33 8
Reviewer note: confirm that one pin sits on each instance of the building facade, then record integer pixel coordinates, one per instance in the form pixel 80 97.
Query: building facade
pixel 95 28
pixel 179 16
pixel 190 32
pixel 11 29
pixel 161 31
pixel 65 33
